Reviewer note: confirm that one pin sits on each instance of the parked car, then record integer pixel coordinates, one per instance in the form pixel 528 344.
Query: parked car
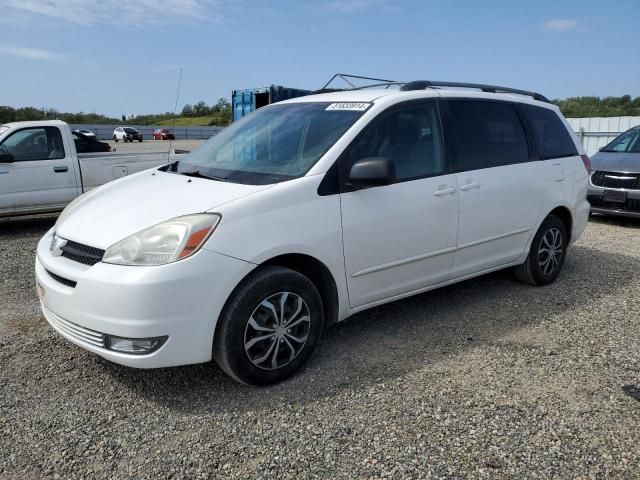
pixel 163 134
pixel 86 144
pixel 126 134
pixel 306 212
pixel 40 170
pixel 614 188
pixel 86 132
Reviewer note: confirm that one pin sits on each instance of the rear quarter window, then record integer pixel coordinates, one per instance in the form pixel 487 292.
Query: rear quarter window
pixel 549 133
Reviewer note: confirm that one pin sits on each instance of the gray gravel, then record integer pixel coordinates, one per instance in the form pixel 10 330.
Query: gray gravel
pixel 485 379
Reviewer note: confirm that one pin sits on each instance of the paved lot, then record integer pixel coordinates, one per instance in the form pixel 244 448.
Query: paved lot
pixel 485 379
pixel 153 146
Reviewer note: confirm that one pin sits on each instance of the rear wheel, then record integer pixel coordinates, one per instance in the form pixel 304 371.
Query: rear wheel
pixel 547 253
pixel 269 327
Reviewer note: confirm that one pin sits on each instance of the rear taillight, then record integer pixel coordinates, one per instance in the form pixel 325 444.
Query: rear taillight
pixel 587 162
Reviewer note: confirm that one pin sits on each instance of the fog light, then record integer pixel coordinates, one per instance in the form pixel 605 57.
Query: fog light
pixel 134 346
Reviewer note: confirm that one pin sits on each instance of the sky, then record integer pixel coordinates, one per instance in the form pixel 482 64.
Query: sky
pixel 124 56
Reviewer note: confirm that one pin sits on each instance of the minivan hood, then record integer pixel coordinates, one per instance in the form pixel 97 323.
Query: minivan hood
pixel 616 162
pixel 124 207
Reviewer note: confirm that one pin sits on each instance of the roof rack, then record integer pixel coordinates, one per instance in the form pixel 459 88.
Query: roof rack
pixel 380 82
pixel 423 84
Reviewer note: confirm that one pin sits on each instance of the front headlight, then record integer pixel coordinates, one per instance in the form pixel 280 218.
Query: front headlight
pixel 164 243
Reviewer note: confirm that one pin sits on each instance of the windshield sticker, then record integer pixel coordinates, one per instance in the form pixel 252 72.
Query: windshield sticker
pixel 350 106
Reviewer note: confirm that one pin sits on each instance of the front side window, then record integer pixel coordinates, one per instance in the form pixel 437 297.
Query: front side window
pixel 43 143
pixel 273 144
pixel 628 142
pixel 549 132
pixel 487 134
pixel 409 136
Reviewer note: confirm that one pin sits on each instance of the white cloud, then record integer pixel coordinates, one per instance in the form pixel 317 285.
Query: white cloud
pixel 560 24
pixel 117 12
pixel 30 53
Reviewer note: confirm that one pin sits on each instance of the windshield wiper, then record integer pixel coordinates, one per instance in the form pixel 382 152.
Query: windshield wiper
pixel 198 174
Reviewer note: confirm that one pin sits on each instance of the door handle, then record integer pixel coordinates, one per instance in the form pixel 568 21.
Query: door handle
pixel 469 186
pixel 60 169
pixel 444 191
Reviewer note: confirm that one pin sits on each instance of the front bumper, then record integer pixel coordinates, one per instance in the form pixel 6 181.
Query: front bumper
pixel 630 208
pixel 182 301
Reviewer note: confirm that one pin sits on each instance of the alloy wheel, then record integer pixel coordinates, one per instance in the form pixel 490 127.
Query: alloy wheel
pixel 550 251
pixel 277 330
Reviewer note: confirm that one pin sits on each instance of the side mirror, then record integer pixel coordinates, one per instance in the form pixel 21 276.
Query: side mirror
pixel 6 158
pixel 372 172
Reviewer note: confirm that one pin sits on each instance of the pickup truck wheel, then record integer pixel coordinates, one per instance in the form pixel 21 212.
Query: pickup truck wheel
pixel 269 327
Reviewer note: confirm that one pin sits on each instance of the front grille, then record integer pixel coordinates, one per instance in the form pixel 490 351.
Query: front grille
pixel 76 332
pixel 82 253
pixel 632 204
pixel 629 181
pixel 62 280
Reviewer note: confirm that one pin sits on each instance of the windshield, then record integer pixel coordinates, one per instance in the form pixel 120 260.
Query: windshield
pixel 628 142
pixel 273 144
pixel 130 130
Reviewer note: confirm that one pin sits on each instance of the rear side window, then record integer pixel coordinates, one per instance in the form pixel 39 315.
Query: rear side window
pixel 43 143
pixel 487 134
pixel 549 133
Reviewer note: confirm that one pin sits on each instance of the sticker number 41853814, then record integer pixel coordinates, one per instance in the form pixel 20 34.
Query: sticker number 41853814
pixel 349 106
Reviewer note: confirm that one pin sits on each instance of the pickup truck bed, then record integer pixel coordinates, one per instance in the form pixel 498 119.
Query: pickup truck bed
pixel 40 170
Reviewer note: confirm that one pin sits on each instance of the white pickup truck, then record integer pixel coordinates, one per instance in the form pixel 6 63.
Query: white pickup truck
pixel 40 170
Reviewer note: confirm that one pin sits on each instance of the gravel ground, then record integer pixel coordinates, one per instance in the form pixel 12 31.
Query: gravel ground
pixel 485 379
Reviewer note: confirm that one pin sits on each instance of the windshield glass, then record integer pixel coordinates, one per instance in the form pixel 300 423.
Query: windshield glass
pixel 628 142
pixel 130 130
pixel 273 144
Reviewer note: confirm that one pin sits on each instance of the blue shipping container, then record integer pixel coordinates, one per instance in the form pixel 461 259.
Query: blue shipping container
pixel 246 101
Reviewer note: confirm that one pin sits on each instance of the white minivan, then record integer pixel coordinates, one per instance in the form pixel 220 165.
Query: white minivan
pixel 307 211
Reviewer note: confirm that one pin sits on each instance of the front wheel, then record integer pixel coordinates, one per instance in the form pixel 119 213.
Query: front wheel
pixel 547 254
pixel 115 139
pixel 269 326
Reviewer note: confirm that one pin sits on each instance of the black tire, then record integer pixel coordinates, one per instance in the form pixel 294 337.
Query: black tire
pixel 531 271
pixel 229 342
pixel 140 139
pixel 115 139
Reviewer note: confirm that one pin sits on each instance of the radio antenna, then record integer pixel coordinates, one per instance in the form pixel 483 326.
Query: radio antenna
pixel 173 124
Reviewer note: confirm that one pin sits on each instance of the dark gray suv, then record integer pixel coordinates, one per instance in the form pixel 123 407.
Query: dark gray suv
pixel 614 188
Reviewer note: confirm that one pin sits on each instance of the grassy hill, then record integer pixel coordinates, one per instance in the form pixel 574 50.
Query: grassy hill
pixel 193 121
